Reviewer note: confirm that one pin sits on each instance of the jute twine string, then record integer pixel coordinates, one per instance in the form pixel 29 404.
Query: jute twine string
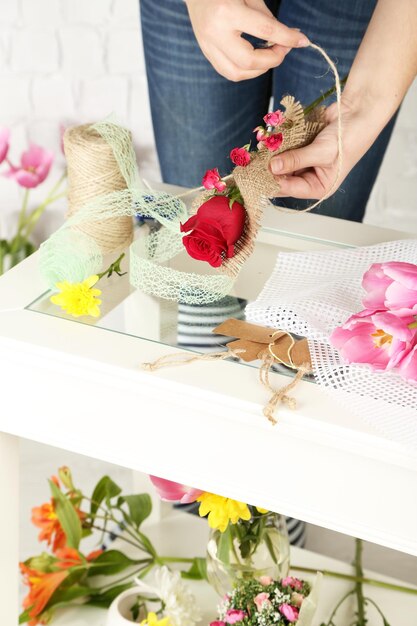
pixel 268 359
pixel 311 129
pixel 93 171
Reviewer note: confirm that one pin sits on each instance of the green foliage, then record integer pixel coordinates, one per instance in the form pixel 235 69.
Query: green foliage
pixel 67 515
pixel 197 571
pixel 110 562
pixel 140 507
pixel 105 598
pixel 106 490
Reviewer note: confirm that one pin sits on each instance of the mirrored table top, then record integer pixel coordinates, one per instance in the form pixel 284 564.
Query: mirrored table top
pixel 130 311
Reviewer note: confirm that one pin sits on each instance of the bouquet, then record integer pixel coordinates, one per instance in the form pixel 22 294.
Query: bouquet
pixel 66 574
pixel 267 602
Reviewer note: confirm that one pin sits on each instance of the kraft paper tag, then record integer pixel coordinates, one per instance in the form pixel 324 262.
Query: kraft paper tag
pixel 256 341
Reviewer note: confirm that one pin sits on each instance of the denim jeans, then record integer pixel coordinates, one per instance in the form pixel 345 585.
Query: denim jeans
pixel 198 116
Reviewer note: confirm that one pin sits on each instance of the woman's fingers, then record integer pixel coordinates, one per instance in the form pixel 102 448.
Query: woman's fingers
pixel 227 68
pixel 306 186
pixel 248 58
pixel 256 23
pixel 319 153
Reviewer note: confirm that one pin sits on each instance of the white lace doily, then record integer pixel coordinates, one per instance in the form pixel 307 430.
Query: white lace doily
pixel 309 294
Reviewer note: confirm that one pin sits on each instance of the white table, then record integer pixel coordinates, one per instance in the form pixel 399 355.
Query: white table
pixel 80 386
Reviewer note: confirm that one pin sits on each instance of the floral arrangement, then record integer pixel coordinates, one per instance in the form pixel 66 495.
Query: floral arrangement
pixel 33 169
pixel 222 513
pixel 66 574
pixel 220 220
pixel 384 334
pixel 263 602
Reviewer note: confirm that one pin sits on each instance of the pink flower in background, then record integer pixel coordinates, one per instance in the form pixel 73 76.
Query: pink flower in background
pixel 212 180
pixel 218 623
pixel 273 142
pixel 175 492
pixel 260 133
pixel 233 616
pixel 240 156
pixel 290 612
pixel 274 118
pixel 262 601
pixel 380 339
pixel 292 582
pixel 35 164
pixel 297 598
pixel 4 143
pixel 266 580
pixel 391 286
pixel 408 366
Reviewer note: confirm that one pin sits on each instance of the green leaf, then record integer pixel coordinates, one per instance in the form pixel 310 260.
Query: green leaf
pixel 225 546
pixel 104 600
pixel 63 596
pixel 140 507
pixel 105 489
pixel 68 518
pixel 24 617
pixel 197 571
pixel 110 562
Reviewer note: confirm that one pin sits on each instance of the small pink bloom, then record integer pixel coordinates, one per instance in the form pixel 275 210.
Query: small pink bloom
pixel 262 601
pixel 217 623
pixel 266 580
pixel 274 118
pixel 391 286
pixel 212 180
pixel 260 133
pixel 292 582
pixel 378 338
pixel 408 366
pixel 233 616
pixel 240 156
pixel 4 142
pixel 273 142
pixel 168 490
pixel 35 164
pixel 297 599
pixel 289 612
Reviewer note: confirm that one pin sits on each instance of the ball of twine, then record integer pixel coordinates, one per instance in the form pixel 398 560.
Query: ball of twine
pixel 93 171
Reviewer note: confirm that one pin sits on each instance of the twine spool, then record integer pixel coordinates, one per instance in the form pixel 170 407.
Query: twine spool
pixel 93 171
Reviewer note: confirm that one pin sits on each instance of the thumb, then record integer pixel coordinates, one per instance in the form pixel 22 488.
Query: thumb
pixel 294 160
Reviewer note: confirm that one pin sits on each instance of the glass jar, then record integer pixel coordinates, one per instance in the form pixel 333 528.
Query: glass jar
pixel 248 549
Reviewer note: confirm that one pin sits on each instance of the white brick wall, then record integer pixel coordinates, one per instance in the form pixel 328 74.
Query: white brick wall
pixel 75 61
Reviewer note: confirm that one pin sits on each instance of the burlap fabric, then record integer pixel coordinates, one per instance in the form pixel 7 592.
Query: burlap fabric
pixel 257 184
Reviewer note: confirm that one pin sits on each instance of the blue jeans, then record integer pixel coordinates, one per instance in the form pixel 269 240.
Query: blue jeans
pixel 198 116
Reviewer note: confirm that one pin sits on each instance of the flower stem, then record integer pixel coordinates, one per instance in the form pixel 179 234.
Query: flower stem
pixel 338 605
pixel 114 267
pixel 174 559
pixel 358 587
pixel 364 580
pixel 308 109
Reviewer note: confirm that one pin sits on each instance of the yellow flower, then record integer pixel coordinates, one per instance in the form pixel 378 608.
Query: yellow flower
pixel 78 298
pixel 152 620
pixel 258 508
pixel 222 510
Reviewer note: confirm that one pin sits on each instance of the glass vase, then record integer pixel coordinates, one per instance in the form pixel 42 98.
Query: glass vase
pixel 248 549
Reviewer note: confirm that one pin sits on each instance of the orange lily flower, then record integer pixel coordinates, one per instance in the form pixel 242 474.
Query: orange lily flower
pixel 45 518
pixel 69 557
pixel 41 588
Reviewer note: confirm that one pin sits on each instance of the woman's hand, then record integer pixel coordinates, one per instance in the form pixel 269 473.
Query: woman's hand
pixel 219 24
pixel 310 172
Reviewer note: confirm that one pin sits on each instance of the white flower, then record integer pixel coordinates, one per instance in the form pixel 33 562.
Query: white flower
pixel 179 603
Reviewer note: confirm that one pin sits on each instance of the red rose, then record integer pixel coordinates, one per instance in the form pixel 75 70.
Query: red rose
pixel 273 142
pixel 214 230
pixel 240 156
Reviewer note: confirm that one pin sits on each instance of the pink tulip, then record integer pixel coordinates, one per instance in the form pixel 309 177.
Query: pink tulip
pixel 290 612
pixel 233 616
pixel 35 164
pixel 4 143
pixel 292 582
pixel 262 601
pixel 377 338
pixel 175 492
pixel 408 366
pixel 266 580
pixel 297 598
pixel 391 286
